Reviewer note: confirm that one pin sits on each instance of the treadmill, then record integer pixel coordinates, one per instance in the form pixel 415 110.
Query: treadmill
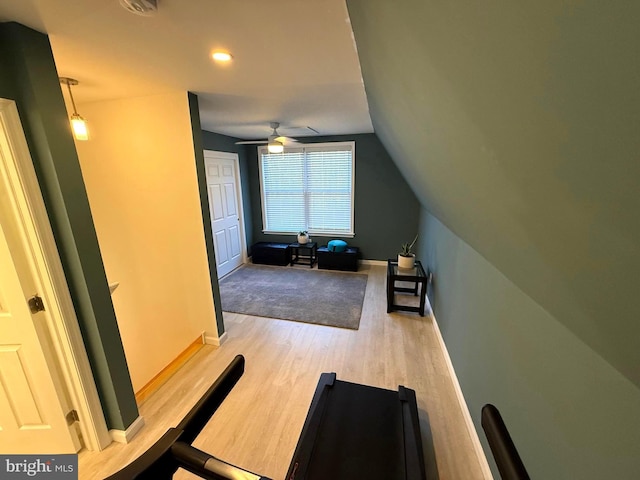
pixel 352 431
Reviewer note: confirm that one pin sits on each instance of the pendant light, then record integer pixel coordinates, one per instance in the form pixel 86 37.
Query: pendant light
pixel 78 124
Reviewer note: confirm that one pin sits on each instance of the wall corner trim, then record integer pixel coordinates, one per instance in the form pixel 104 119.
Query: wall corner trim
pixel 125 436
pixel 217 341
pixel 473 434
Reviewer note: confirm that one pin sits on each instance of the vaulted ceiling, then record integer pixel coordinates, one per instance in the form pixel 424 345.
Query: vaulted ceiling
pixel 516 124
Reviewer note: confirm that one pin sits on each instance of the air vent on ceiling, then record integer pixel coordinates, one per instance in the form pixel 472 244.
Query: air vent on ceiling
pixel 140 7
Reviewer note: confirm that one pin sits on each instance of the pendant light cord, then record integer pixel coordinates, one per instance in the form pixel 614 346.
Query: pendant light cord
pixel 75 111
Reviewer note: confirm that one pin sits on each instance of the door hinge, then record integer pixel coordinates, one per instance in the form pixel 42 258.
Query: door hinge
pixel 72 417
pixel 36 304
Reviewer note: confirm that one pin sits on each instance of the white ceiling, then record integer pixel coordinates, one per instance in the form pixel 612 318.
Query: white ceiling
pixel 295 61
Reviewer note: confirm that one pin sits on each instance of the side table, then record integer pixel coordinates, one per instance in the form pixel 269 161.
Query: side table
pixel 415 275
pixel 309 253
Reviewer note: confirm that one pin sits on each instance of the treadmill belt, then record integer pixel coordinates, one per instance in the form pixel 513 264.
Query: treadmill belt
pixel 360 435
pixel 355 431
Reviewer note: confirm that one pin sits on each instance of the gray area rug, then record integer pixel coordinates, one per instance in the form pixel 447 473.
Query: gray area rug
pixel 288 293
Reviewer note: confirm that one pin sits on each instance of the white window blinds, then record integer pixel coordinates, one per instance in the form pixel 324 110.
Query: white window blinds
pixel 308 188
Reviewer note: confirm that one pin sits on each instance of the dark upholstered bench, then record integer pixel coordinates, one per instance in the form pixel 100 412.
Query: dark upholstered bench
pixel 347 260
pixel 271 253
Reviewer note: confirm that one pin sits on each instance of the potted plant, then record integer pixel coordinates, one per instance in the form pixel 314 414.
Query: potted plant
pixel 406 258
pixel 303 237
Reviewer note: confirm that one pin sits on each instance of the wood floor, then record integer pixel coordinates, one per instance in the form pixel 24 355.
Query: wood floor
pixel 258 425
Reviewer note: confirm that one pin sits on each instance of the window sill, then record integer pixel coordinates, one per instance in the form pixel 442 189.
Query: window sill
pixel 312 234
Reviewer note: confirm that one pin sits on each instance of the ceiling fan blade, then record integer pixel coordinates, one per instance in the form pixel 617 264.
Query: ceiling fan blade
pixel 274 137
pixel 253 142
pixel 286 140
pixel 283 140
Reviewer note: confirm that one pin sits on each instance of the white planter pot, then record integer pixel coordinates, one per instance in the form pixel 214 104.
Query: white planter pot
pixel 302 239
pixel 406 262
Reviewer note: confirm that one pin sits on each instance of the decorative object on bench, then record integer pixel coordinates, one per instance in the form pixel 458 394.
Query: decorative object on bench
pixel 303 237
pixel 300 294
pixel 346 260
pixel 337 246
pixel 271 253
pixel 406 257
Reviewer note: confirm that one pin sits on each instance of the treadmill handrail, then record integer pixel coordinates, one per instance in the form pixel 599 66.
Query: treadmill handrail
pixel 207 466
pixel 158 462
pixel 502 447
pixel 204 409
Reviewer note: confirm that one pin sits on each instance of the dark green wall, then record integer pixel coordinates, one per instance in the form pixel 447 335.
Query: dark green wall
pixel 570 413
pixel 385 209
pixel 198 147
pixel 516 126
pixel 29 77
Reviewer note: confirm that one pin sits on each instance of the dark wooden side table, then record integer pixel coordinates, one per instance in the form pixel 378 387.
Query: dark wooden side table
pixel 309 253
pixel 415 275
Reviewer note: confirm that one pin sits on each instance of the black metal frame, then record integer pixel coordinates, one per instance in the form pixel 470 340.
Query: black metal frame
pixel 392 278
pixel 174 449
pixel 297 259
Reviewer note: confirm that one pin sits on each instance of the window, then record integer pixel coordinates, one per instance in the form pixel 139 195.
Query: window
pixel 308 188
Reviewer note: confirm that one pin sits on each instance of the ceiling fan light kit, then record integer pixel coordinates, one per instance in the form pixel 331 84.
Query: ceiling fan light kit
pixel 275 147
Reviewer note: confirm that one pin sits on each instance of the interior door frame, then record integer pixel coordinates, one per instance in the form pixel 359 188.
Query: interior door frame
pixel 236 169
pixel 67 342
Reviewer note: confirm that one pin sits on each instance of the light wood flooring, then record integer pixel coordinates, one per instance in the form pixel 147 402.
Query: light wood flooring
pixel 259 423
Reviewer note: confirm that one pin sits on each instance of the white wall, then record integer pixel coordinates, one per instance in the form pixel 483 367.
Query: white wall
pixel 139 170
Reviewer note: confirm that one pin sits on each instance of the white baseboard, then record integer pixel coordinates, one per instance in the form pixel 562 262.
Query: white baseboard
pixel 382 263
pixel 125 436
pixel 475 440
pixel 217 341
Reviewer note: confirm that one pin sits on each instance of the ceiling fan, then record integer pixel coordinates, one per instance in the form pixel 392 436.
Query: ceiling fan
pixel 275 142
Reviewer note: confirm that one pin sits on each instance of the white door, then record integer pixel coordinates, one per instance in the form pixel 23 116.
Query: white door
pixel 225 207
pixel 34 258
pixel 32 419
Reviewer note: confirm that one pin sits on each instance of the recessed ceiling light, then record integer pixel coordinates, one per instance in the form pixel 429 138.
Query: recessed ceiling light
pixel 221 56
